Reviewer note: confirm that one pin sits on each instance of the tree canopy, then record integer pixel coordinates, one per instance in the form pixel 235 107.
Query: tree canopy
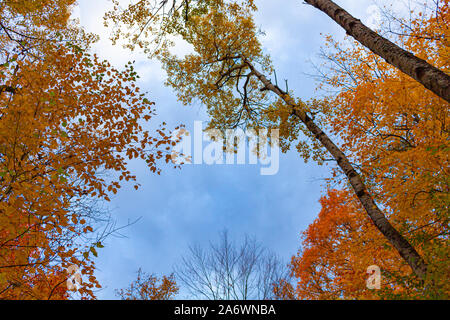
pixel 70 123
pixel 66 119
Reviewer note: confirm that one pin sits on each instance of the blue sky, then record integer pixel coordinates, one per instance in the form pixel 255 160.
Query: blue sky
pixel 192 205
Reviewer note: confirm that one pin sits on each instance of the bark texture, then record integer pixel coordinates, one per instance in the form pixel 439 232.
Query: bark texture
pixel 404 248
pixel 429 76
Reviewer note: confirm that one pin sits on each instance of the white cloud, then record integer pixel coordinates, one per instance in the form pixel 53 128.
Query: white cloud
pixel 374 17
pixel 91 15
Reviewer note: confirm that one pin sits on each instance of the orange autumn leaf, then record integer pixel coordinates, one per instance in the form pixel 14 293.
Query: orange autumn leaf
pixel 149 287
pixel 65 117
pixel 398 133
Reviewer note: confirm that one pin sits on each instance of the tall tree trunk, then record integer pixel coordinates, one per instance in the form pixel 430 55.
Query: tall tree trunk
pixel 429 76
pixel 405 249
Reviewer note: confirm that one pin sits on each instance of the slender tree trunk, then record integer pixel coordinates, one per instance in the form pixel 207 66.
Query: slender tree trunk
pixel 429 76
pixel 405 249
